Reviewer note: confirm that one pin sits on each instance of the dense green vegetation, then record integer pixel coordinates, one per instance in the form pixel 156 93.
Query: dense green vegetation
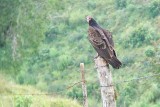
pixel 43 42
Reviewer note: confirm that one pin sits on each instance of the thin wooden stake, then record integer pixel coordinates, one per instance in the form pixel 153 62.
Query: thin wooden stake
pixel 85 101
pixel 105 79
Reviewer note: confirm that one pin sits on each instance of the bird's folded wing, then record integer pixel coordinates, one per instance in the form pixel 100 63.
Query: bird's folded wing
pixel 109 37
pixel 105 38
pixel 97 44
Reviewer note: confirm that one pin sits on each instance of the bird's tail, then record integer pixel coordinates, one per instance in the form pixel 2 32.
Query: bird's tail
pixel 115 63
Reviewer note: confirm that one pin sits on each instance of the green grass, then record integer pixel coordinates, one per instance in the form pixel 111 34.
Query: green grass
pixel 13 95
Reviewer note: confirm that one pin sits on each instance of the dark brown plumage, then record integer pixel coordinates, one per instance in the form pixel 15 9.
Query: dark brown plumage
pixel 102 42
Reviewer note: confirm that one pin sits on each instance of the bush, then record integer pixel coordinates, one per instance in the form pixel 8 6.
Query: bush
pixel 127 60
pixel 53 52
pixel 56 88
pixel 75 93
pixel 154 8
pixel 78 20
pixel 150 52
pixel 91 5
pixel 63 62
pixel 27 78
pixel 75 37
pixel 2 40
pixel 120 4
pixel 21 101
pixel 139 36
pixel 51 35
pixel 20 79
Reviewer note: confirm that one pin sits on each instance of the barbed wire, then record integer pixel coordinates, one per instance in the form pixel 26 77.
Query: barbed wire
pixel 79 82
pixel 75 84
pixel 134 79
pixel 27 94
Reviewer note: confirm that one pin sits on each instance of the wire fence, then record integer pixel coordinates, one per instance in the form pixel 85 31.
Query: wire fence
pixel 37 99
pixel 135 79
pixel 79 82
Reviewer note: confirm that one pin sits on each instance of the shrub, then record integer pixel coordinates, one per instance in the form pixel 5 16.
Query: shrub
pixel 64 61
pixel 140 35
pixel 56 88
pixel 91 5
pixel 23 101
pixel 20 79
pixel 75 93
pixel 53 52
pixel 26 77
pixel 2 40
pixel 51 35
pixel 154 8
pixel 150 52
pixel 76 20
pixel 120 4
pixel 127 60
pixel 75 37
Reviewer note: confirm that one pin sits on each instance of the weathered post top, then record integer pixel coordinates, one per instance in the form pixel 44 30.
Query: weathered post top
pixel 84 88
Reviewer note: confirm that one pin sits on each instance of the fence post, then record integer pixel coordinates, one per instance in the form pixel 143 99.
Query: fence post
pixel 84 89
pixel 105 79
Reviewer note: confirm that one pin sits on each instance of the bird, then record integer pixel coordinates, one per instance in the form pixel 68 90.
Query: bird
pixel 102 42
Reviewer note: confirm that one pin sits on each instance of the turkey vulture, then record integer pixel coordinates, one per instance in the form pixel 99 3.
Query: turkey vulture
pixel 102 42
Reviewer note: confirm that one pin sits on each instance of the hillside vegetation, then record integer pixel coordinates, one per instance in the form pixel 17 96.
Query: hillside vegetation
pixel 43 42
pixel 13 95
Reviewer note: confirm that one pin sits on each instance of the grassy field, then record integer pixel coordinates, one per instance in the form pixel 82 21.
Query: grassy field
pixel 13 95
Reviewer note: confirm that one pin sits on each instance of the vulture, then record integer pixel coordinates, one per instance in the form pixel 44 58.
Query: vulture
pixel 102 42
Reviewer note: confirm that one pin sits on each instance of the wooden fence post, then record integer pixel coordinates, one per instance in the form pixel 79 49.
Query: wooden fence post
pixel 85 101
pixel 105 79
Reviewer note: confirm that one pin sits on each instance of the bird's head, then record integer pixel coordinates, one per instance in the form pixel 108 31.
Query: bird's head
pixel 89 18
pixel 91 21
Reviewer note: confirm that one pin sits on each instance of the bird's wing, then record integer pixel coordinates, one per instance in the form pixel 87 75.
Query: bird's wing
pixel 95 38
pixel 108 36
pixel 101 45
